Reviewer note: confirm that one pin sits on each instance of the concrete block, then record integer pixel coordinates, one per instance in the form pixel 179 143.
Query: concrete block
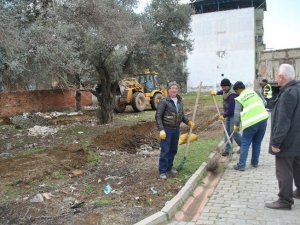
pixel 154 219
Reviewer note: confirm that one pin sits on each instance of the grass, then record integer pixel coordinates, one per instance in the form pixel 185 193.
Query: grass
pixel 75 131
pixel 102 201
pixel 147 115
pixel 33 151
pixel 11 192
pixel 93 158
pixel 190 98
pixel 88 189
pixel 198 153
pixel 8 128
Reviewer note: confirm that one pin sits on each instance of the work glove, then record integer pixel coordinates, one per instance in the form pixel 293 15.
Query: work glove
pixel 191 124
pixel 236 128
pixel 221 117
pixel 162 135
pixel 213 93
pixel 183 138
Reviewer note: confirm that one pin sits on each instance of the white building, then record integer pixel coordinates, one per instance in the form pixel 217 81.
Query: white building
pixel 227 35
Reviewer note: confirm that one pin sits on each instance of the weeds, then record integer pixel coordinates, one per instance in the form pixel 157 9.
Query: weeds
pixel 88 189
pixel 33 151
pixel 100 202
pixel 93 158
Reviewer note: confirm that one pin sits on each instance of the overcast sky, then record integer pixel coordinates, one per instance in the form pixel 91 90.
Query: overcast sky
pixel 281 23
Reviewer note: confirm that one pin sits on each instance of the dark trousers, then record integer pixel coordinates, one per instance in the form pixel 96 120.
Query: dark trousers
pixel 168 150
pixel 253 134
pixel 229 123
pixel 287 170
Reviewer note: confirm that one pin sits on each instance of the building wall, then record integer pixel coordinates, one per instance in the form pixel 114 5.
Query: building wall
pixel 270 61
pixel 224 43
pixel 14 103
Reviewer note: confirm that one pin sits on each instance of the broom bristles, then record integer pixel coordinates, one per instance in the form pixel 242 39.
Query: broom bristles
pixel 212 165
pixel 180 166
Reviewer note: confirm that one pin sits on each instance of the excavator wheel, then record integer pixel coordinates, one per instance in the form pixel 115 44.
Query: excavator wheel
pixel 138 102
pixel 155 100
pixel 119 108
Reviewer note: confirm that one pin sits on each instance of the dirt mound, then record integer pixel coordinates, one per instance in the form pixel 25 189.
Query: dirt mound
pixel 129 138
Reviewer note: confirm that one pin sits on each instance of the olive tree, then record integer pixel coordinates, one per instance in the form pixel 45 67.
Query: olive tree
pixel 167 28
pixel 61 42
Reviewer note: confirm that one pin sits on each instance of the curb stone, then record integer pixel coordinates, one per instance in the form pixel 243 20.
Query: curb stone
pixel 171 207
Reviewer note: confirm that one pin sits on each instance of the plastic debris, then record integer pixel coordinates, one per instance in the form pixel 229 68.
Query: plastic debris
pixel 108 189
pixel 76 172
pixel 37 198
pixel 72 188
pixel 47 195
pixel 153 190
pixel 42 131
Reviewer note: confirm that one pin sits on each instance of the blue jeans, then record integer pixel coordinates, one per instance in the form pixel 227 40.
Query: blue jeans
pixel 168 150
pixel 254 135
pixel 229 123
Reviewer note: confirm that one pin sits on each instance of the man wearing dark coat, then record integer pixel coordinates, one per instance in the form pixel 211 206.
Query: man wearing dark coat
pixel 285 138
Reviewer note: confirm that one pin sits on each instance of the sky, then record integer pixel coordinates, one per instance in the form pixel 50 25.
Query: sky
pixel 281 23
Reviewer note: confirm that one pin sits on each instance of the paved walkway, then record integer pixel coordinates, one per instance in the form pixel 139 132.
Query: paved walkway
pixel 240 196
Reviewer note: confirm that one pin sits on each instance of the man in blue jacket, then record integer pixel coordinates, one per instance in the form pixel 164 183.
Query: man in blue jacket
pixel 228 116
pixel 285 138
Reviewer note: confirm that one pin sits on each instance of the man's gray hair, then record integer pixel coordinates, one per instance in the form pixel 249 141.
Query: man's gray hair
pixel 287 71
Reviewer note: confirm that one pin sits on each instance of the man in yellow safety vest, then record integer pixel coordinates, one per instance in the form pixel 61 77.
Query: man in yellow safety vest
pixel 250 112
pixel 266 91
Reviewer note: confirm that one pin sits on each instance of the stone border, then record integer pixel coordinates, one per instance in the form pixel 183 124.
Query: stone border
pixel 171 207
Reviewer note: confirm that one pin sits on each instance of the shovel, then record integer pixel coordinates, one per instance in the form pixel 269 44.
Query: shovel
pixel 180 166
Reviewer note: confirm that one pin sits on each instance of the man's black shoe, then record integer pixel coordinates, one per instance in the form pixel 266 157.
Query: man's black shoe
pixel 278 205
pixel 237 167
pixel 296 194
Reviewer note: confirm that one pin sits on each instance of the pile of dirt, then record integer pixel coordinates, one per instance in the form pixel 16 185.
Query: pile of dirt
pixel 129 139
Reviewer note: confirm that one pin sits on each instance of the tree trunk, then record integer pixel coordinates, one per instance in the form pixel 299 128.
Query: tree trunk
pixel 105 98
pixel 78 100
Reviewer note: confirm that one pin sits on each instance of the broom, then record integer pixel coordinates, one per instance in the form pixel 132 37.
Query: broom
pixel 181 164
pixel 226 133
pixel 213 164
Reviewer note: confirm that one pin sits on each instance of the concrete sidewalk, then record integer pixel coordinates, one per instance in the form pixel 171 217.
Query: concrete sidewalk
pixel 240 197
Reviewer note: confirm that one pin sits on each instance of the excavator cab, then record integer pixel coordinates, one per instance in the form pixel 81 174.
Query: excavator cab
pixel 149 81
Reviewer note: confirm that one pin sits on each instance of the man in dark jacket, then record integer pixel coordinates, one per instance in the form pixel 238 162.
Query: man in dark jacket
pixel 228 105
pixel 168 117
pixel 285 138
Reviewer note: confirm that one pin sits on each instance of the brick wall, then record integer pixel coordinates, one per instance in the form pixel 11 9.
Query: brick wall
pixel 14 103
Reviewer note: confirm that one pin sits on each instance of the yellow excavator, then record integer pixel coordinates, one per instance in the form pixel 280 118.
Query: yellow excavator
pixel 139 92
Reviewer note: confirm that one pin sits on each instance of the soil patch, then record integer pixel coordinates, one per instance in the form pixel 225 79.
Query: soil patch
pixel 129 139
pixel 39 165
